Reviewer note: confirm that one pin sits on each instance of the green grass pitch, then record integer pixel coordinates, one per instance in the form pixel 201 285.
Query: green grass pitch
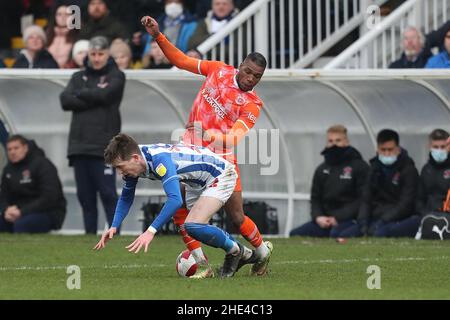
pixel 35 267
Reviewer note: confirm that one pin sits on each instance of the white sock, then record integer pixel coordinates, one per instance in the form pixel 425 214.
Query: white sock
pixel 262 251
pixel 199 256
pixel 247 253
pixel 234 250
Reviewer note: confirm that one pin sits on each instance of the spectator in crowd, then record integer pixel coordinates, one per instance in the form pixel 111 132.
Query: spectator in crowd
pixel 222 12
pixel 121 53
pixel 137 43
pixel 390 192
pixel 10 13
pixel 177 24
pixel 60 38
pixel 156 59
pixel 31 197
pixel 35 55
pixel 199 7
pixel 40 9
pixel 2 65
pixel 82 4
pixel 93 95
pixel 417 47
pixel 101 23
pixel 441 60
pixel 434 183
pixel 336 187
pixel 79 53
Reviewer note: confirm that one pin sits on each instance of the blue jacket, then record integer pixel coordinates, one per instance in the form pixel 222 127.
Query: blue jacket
pixel 441 60
pixel 189 24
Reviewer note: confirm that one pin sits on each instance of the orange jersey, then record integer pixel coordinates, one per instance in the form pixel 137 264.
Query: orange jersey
pixel 221 105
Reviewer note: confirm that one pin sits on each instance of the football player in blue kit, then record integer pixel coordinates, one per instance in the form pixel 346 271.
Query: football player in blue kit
pixel 209 180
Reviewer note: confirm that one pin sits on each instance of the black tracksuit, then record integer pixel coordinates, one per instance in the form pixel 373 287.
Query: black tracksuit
pixel 34 187
pixel 336 187
pixel 390 193
pixel 433 186
pixel 336 191
pixel 94 97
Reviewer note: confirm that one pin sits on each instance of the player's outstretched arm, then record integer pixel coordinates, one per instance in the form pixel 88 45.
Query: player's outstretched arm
pixel 165 168
pixel 175 56
pixel 107 235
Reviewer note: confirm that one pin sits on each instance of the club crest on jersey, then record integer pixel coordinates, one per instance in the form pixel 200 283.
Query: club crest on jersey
pixel 240 99
pixel 346 173
pixel 26 177
pixel 161 170
pixel 447 174
pixel 102 84
pixel 396 178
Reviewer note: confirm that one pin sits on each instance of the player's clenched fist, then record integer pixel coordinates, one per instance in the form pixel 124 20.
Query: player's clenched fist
pixel 150 25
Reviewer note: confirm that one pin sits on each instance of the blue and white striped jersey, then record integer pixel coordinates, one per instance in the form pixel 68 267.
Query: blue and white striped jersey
pixel 193 165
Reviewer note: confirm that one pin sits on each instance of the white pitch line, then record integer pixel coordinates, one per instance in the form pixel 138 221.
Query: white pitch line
pixel 137 266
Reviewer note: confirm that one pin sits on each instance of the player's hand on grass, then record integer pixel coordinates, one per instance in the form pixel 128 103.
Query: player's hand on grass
pixel 332 221
pixel 107 235
pixel 151 26
pixel 323 222
pixel 142 241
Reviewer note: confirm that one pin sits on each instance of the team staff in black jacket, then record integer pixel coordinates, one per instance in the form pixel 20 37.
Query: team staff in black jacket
pixel 336 187
pixel 435 176
pixel 31 197
pixel 93 96
pixel 390 192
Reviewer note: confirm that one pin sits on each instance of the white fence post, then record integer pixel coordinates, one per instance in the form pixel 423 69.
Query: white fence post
pixel 262 31
pixel 415 18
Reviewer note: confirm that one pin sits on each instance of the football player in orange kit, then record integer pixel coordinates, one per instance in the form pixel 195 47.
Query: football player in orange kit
pixel 225 109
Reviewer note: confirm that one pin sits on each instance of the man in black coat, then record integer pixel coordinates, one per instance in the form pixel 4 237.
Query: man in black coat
pixel 101 23
pixel 390 192
pixel 31 197
pixel 417 47
pixel 336 188
pixel 434 182
pixel 93 96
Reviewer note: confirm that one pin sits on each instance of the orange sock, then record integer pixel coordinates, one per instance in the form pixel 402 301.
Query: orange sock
pixel 250 232
pixel 178 220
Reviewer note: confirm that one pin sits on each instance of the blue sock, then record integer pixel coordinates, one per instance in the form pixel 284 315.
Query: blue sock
pixel 210 235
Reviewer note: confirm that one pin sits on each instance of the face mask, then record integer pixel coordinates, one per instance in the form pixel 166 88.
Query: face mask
pixel 334 154
pixel 439 155
pixel 173 9
pixel 387 160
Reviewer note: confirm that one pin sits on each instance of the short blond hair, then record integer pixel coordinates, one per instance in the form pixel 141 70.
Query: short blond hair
pixel 338 128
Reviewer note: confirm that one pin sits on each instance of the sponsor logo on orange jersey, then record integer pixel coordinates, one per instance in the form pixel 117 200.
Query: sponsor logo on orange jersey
pixel 217 107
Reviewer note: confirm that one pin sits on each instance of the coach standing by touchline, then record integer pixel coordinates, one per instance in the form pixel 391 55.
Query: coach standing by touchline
pixel 93 95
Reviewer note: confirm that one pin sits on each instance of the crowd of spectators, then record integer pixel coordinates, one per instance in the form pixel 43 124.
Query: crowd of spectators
pixel 53 42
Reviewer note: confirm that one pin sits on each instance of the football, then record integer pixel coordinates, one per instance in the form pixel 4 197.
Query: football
pixel 185 264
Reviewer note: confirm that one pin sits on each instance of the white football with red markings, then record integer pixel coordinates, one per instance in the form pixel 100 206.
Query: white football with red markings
pixel 185 264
